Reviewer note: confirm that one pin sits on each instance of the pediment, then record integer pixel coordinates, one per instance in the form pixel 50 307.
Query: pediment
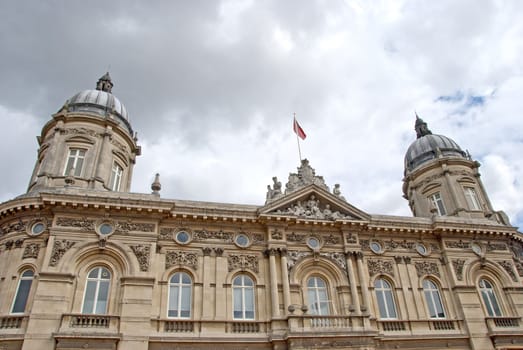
pixel 80 139
pixel 313 203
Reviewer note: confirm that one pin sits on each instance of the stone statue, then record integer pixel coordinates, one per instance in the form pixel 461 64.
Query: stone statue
pixel 337 191
pixel 275 191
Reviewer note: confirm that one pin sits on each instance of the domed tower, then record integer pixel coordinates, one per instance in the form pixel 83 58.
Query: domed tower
pixel 441 179
pixel 89 143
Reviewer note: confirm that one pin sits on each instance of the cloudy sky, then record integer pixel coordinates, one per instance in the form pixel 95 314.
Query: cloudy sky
pixel 211 87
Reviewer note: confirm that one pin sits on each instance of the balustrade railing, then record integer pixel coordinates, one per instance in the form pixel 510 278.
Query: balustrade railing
pixel 7 322
pixel 87 321
pixel 503 323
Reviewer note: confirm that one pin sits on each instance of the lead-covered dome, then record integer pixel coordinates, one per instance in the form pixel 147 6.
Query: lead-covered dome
pixel 428 146
pixel 101 102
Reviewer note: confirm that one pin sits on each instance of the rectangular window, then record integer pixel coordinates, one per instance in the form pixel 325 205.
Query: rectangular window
pixel 116 177
pixel 75 161
pixel 472 198
pixel 437 201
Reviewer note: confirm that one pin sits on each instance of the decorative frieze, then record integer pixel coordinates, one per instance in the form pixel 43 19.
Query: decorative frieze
pixel 338 258
pixel 377 266
pixel 294 237
pixel 351 238
pixel 257 238
pixel 17 226
pixel 122 226
pixel 507 265
pixel 31 251
pixel 276 234
pixel 166 232
pixel 142 253
pixel 519 268
pixel 294 256
pixel 458 268
pixel 393 245
pixel 59 249
pixel 331 239
pixel 202 235
pixel 181 258
pixel 496 246
pixel 80 131
pixel 312 209
pixel 243 262
pixel 83 223
pixel 457 244
pixel 426 268
pixel 364 243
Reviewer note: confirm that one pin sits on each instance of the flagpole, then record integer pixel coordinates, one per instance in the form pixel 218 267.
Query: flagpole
pixel 297 139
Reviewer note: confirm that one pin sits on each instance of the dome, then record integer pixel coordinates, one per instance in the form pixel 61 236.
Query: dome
pixel 100 102
pixel 429 146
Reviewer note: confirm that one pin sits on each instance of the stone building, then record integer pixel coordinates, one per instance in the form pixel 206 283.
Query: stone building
pixel 85 264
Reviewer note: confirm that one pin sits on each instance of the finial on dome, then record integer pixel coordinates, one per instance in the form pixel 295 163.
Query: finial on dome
pixel 421 127
pixel 105 83
pixel 156 186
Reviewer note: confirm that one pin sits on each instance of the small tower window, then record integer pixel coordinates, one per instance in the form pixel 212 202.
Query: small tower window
pixel 75 160
pixel 22 292
pixel 116 177
pixel 472 198
pixel 437 201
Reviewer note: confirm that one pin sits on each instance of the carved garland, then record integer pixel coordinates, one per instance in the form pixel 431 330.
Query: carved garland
pixel 31 251
pixel 458 268
pixel 59 249
pixel 78 223
pixel 181 258
pixel 142 253
pixel 377 266
pixel 507 265
pixel 243 262
pixel 427 268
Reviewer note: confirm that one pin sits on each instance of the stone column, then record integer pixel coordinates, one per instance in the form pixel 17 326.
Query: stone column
pixel 363 282
pixel 208 295
pixel 220 295
pixel 285 280
pixel 274 283
pixel 452 190
pixel 102 163
pixel 352 282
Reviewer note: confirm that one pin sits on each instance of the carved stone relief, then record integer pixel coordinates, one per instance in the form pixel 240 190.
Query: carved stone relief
pixel 364 244
pixel 496 246
pixel 507 265
pixel 294 237
pixel 181 258
pixel 276 234
pixel 166 232
pixel 17 226
pixel 519 268
pixel 243 262
pixel 31 251
pixel 294 256
pixel 351 238
pixel 59 249
pixel 426 268
pixel 458 268
pixel 393 245
pixel 312 209
pixel 377 266
pixel 74 222
pixel 79 131
pixel 201 235
pixel 331 239
pixel 457 244
pixel 122 226
pixel 142 253
pixel 257 238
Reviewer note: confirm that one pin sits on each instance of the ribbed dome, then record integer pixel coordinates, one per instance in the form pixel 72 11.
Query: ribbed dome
pixel 428 146
pixel 100 101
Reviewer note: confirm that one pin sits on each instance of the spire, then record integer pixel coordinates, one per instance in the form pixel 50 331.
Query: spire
pixel 104 83
pixel 421 127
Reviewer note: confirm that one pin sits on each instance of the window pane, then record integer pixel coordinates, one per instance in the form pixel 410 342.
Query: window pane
pixel 247 281
pixel 186 299
pixel 381 304
pixel 186 279
pixel 237 281
pixel 78 167
pixel 390 304
pixel 237 300
pixel 21 296
pixel 90 291
pixel 103 294
pixel 173 301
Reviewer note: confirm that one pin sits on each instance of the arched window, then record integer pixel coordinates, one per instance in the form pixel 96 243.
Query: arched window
pixel 433 298
pixel 180 291
pixel 489 298
pixel 97 291
pixel 317 295
pixel 243 298
pixel 22 292
pixel 385 298
pixel 75 160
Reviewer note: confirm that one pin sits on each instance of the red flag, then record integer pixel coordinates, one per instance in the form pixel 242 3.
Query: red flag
pixel 298 130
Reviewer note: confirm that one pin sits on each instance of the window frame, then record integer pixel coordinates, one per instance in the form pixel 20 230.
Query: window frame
pixel 243 289
pixel 116 178
pixel 320 295
pixel 432 295
pixel 27 295
pixel 488 294
pixel 437 200
pixel 181 287
pixel 389 304
pixel 96 297
pixel 75 159
pixel 472 198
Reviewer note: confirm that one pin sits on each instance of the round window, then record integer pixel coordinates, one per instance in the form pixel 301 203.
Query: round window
pixel 421 249
pixel 106 229
pixel 182 237
pixel 376 247
pixel 242 240
pixel 37 228
pixel 476 248
pixel 313 242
